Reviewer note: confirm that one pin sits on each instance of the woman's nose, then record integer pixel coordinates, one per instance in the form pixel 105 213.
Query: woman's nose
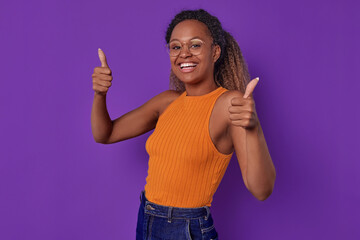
pixel 185 52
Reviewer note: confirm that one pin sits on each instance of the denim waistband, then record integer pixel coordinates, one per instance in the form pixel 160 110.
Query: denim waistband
pixel 173 212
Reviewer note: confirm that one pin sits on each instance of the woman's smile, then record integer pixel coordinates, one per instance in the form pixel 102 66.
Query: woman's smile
pixel 186 67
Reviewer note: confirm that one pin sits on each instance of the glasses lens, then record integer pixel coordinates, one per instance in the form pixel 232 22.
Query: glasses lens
pixel 174 48
pixel 196 46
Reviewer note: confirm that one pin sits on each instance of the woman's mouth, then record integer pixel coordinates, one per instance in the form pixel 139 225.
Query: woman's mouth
pixel 187 67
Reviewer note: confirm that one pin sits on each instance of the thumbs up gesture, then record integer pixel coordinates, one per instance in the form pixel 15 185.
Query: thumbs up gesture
pixel 102 75
pixel 242 110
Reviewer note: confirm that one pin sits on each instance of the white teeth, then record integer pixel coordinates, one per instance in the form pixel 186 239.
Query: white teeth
pixel 182 65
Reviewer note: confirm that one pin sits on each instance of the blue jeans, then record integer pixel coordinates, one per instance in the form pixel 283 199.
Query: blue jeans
pixel 157 222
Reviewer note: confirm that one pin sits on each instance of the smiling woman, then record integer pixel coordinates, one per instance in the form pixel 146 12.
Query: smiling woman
pixel 229 67
pixel 207 114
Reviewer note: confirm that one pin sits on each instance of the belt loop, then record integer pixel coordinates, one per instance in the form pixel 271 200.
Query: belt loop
pixel 207 212
pixel 169 214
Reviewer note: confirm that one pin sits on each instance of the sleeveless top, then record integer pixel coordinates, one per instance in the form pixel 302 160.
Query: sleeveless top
pixel 185 168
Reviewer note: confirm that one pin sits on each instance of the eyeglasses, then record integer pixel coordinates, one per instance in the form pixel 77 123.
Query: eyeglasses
pixel 195 47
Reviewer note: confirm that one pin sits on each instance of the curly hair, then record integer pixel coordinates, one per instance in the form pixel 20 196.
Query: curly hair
pixel 230 70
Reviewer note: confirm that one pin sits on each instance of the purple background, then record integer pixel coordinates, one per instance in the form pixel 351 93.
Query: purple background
pixel 56 182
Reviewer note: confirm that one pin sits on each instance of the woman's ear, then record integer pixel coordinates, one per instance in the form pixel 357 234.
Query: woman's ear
pixel 216 53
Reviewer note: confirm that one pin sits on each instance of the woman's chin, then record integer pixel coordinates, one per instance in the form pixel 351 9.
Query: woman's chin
pixel 188 79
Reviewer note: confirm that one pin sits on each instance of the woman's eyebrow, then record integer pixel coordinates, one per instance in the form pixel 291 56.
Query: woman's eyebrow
pixel 189 39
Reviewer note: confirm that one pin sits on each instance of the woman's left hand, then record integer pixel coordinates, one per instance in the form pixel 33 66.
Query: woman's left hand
pixel 242 110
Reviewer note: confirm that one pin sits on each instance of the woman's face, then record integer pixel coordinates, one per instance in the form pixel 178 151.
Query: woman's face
pixel 203 69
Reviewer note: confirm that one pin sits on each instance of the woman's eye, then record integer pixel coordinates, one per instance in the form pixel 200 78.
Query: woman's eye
pixel 175 47
pixel 195 45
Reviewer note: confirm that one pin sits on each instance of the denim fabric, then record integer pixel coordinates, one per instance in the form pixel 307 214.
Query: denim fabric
pixel 158 222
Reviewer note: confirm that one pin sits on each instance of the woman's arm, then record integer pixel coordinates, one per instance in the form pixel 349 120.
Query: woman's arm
pixel 259 168
pixel 101 124
pixel 131 124
pixel 250 146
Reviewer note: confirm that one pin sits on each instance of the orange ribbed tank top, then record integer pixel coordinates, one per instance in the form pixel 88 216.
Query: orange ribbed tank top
pixel 185 168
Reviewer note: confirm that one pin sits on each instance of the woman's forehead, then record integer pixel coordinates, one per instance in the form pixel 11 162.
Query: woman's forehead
pixel 188 29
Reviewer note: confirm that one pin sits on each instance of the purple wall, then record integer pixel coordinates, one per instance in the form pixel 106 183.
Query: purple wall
pixel 57 183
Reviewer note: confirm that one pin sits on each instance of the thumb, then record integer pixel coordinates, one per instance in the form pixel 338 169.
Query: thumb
pixel 102 58
pixel 250 87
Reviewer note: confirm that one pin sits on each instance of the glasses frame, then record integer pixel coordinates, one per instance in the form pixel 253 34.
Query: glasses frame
pixel 182 47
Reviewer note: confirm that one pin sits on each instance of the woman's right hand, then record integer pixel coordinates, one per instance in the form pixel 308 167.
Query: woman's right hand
pixel 102 75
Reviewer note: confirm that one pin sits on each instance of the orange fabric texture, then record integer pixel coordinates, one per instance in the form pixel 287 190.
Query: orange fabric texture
pixel 185 168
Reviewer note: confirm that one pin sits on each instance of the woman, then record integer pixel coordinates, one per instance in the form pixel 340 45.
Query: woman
pixel 198 125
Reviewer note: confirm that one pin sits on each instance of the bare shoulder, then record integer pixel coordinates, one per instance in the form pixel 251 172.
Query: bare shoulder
pixel 228 95
pixel 224 103
pixel 155 105
pixel 171 94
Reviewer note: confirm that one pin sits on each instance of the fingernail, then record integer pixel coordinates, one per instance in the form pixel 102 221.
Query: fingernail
pixel 99 48
pixel 257 78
